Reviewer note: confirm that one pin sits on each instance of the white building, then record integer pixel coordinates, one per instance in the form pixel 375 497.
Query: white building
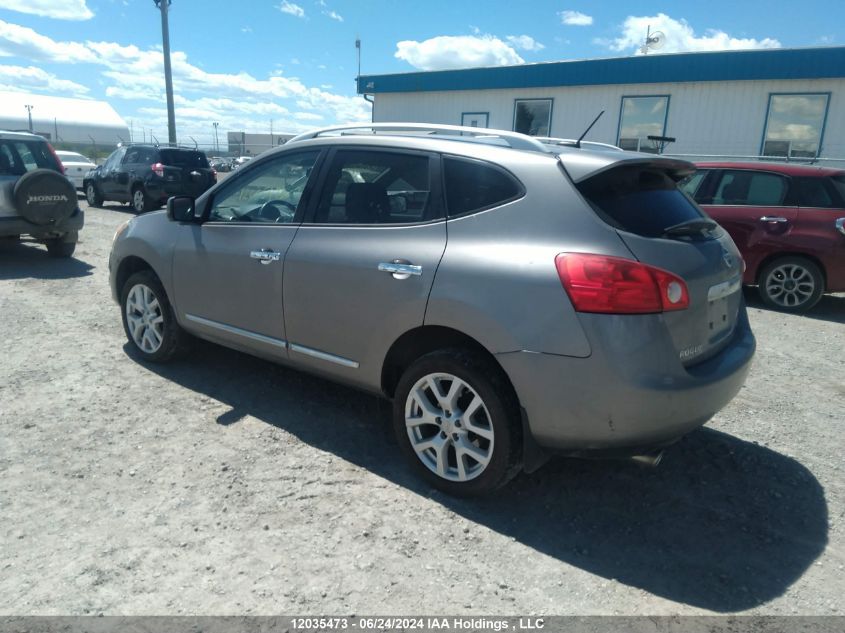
pixel 252 144
pixel 63 120
pixel 775 102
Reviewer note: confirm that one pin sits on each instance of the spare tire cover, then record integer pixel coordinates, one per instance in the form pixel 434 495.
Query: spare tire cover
pixel 45 197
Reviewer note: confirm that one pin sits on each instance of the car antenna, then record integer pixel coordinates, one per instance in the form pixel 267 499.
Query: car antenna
pixel 589 127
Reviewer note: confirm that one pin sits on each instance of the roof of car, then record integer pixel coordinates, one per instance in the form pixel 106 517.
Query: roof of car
pixel 789 169
pixel 496 145
pixel 25 136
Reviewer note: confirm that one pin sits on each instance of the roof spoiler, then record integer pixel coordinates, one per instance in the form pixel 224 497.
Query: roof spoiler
pixel 586 167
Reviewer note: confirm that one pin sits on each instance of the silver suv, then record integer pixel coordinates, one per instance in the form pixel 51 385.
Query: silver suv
pixel 36 198
pixel 513 298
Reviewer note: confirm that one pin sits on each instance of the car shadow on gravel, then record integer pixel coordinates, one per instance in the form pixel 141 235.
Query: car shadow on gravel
pixel 830 308
pixel 29 260
pixel 722 524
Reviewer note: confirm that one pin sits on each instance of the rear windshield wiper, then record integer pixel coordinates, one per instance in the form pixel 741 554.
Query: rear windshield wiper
pixel 691 227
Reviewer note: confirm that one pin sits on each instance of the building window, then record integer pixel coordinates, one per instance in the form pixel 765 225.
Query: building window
pixel 475 119
pixel 639 118
pixel 533 116
pixel 795 125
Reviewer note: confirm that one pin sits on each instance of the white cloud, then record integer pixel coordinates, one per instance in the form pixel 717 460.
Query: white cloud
pixel 20 41
pixel 246 29
pixel 575 18
pixel 57 9
pixel 292 9
pixel 32 79
pixel 239 101
pixel 680 36
pixel 334 15
pixel 461 51
pixel 525 42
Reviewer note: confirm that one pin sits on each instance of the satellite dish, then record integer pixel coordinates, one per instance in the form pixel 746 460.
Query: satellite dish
pixel 656 40
pixel 653 41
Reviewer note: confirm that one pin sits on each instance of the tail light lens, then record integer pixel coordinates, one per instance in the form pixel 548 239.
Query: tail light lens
pixel 613 285
pixel 56 157
pixel 158 170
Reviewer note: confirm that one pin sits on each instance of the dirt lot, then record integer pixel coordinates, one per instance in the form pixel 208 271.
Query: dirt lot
pixel 226 485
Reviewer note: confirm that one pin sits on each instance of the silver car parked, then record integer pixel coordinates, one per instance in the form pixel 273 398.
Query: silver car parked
pixel 513 298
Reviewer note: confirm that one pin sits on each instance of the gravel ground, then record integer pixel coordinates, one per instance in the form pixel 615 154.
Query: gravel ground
pixel 227 485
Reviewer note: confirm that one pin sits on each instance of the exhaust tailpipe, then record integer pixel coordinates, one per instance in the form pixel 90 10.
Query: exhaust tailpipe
pixel 649 459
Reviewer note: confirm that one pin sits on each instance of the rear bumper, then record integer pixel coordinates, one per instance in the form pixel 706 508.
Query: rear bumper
pixel 16 225
pixel 632 393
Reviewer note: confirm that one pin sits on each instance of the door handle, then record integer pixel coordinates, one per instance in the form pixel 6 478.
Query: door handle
pixel 400 270
pixel 840 225
pixel 774 219
pixel 265 255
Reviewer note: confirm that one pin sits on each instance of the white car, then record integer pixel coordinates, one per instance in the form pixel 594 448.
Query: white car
pixel 76 166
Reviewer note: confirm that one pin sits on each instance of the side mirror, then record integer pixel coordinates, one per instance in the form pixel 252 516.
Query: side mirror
pixel 181 209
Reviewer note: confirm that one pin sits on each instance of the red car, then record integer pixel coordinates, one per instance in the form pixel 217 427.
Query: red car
pixel 787 220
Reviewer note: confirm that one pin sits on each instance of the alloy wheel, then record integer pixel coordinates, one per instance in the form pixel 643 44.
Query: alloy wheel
pixel 449 427
pixel 790 285
pixel 144 318
pixel 91 195
pixel 138 200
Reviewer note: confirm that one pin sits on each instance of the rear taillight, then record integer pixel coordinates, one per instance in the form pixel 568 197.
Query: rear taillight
pixel 56 157
pixel 158 170
pixel 613 285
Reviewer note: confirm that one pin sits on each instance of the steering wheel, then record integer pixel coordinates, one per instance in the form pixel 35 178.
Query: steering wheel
pixel 281 216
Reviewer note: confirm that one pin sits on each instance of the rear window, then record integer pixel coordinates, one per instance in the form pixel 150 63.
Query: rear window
pixel 474 185
pixel 752 188
pixel 641 201
pixel 183 158
pixel 814 192
pixel 19 157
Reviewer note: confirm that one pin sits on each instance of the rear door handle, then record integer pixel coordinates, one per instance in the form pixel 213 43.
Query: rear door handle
pixel 400 270
pixel 266 256
pixel 773 218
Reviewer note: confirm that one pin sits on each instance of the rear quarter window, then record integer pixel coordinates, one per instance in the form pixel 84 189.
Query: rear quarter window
pixel 643 201
pixel 473 185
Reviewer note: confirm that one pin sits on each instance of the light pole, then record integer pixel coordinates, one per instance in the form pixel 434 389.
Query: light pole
pixel 29 114
pixel 164 7
pixel 216 141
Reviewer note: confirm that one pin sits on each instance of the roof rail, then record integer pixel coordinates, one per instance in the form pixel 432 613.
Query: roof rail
pixel 571 142
pixel 514 139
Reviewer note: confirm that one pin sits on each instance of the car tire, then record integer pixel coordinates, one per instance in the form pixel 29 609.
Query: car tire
pixel 148 319
pixel 456 453
pixel 57 247
pixel 141 202
pixel 791 284
pixel 93 196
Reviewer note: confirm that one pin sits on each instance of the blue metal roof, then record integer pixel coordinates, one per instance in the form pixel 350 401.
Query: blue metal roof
pixel 797 63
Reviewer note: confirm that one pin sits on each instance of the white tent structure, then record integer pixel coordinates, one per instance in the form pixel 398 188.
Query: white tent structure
pixel 63 120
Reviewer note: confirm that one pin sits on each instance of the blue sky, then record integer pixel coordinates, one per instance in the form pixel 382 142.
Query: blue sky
pixel 245 63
